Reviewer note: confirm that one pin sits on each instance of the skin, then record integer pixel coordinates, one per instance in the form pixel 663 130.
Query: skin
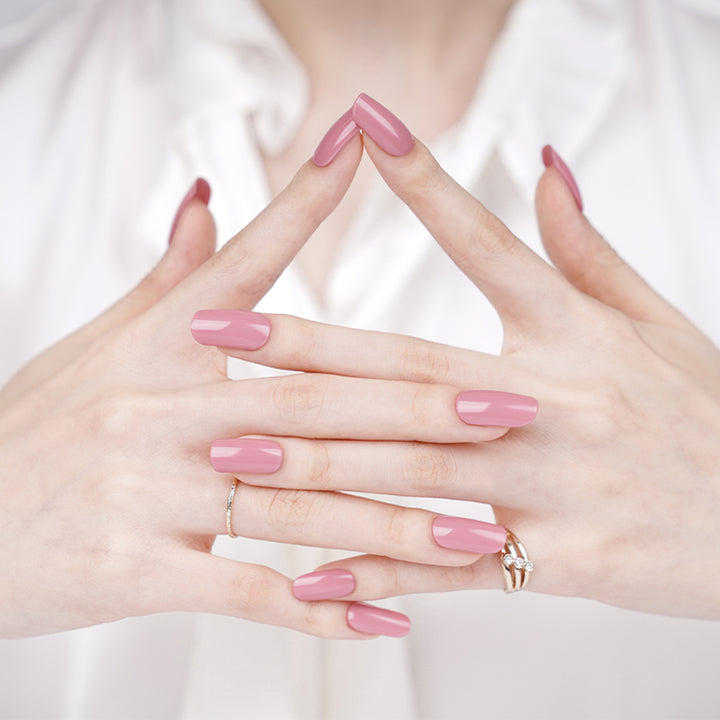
pixel 108 504
pixel 615 487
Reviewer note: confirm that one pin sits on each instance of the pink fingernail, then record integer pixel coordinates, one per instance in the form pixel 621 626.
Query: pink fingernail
pixel 382 126
pixel 377 621
pixel 495 408
pixel 335 139
pixel 550 157
pixel 239 329
pixel 468 535
pixel 200 189
pixel 324 585
pixel 246 455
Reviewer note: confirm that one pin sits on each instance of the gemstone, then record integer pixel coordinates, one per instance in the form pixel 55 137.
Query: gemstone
pixel 529 565
pixel 519 563
pixel 508 560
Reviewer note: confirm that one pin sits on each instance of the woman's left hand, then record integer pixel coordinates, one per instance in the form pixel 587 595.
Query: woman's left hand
pixel 615 488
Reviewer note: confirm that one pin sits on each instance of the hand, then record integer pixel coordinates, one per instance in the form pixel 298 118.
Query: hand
pixel 109 506
pixel 615 488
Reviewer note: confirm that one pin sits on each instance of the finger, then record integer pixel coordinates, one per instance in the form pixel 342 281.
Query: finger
pixel 248 265
pixel 470 471
pixel 329 406
pixel 585 258
pixel 291 343
pixel 198 582
pixel 373 577
pixel 344 522
pixel 524 289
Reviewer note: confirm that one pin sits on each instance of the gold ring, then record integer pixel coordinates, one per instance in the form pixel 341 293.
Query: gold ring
pixel 228 510
pixel 515 564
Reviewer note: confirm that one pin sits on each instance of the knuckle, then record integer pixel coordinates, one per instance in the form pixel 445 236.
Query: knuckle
pixel 319 473
pixel 250 591
pixel 116 413
pixel 314 616
pixel 489 235
pixel 429 468
pixel 606 256
pixel 423 407
pixel 397 526
pixel 428 177
pixel 233 265
pixel 389 576
pixel 594 267
pixel 302 343
pixel 299 397
pixel 291 508
pixel 420 363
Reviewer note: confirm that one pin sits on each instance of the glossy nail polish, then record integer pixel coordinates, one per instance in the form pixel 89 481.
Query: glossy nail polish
pixel 200 190
pixel 246 455
pixel 238 329
pixel 468 535
pixel 382 126
pixel 377 621
pixel 551 158
pixel 335 139
pixel 324 584
pixel 495 408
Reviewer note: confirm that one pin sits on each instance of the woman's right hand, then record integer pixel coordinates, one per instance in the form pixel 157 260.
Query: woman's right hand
pixel 108 505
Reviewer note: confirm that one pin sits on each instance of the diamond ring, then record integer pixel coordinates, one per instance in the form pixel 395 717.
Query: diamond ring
pixel 515 564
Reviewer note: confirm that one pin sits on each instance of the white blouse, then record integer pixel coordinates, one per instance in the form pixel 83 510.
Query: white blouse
pixel 109 110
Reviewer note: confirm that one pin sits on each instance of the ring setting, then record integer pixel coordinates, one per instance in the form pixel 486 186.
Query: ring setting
pixel 515 563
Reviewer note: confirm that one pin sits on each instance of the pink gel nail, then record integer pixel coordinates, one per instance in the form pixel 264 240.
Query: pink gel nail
pixel 468 535
pixel 237 329
pixel 324 584
pixel 246 455
pixel 551 158
pixel 377 621
pixel 199 190
pixel 495 408
pixel 336 138
pixel 382 126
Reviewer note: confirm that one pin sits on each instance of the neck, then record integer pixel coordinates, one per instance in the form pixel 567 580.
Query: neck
pixel 400 51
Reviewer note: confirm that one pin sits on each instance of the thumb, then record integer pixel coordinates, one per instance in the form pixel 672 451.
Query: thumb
pixel 192 242
pixel 584 257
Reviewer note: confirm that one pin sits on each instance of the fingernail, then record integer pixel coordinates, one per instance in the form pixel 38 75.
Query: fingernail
pixel 324 585
pixel 551 158
pixel 468 535
pixel 200 189
pixel 495 408
pixel 382 126
pixel 246 455
pixel 335 139
pixel 377 621
pixel 239 329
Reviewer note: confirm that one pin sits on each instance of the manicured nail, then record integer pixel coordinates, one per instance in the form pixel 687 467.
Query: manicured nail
pixel 468 535
pixel 495 408
pixel 239 329
pixel 377 621
pixel 324 584
pixel 336 138
pixel 200 190
pixel 246 455
pixel 382 126
pixel 550 157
